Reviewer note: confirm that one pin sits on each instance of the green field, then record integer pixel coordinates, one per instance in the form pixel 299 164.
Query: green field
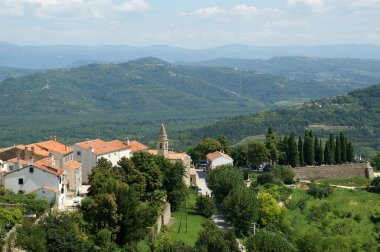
pixel 177 230
pixel 341 222
pixel 357 181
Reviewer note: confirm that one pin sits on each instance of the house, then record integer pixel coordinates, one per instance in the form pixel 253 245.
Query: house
pixel 217 159
pixel 41 177
pixel 173 157
pixel 88 153
pixel 17 157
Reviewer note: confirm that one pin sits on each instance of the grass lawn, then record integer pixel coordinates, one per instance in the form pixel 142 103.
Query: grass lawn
pixel 357 181
pixel 194 224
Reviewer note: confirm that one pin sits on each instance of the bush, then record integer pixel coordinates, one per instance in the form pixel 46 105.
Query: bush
pixel 266 241
pixel 375 185
pixel 205 206
pixel 319 191
pixel 286 174
pixel 265 178
pixel 375 217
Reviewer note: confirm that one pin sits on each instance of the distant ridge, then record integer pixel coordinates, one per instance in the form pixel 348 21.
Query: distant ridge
pixel 42 57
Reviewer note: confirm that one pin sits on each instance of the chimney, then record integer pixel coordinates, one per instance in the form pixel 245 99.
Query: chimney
pixel 91 149
pixel 127 141
pixel 26 153
pixel 54 138
pixel 18 163
pixel 32 148
pixel 51 159
pixel 30 162
pixel 65 147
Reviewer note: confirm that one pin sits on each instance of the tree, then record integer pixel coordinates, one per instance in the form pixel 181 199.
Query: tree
pixel 332 148
pixel 132 176
pixel 241 209
pixel 205 206
pixel 10 217
pixel 292 151
pixel 257 153
pixel 300 151
pixel 222 180
pixel 206 146
pixel 240 155
pixel 225 145
pixel 146 164
pixel 375 185
pixel 337 151
pixel 31 238
pixel 343 147
pixel 327 154
pixel 309 157
pixel 270 144
pixel 265 178
pixel 350 152
pixel 319 191
pixel 266 241
pixel 270 212
pixel 286 174
pixel 213 239
pixel 101 212
pixel 375 161
pixel 103 178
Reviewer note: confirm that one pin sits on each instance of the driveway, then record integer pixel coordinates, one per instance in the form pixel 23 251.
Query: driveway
pixel 201 181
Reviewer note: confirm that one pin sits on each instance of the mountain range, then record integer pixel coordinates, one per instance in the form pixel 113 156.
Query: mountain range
pixel 44 57
pixel 132 98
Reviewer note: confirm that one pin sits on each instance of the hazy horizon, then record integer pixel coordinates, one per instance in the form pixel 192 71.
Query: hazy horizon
pixel 190 24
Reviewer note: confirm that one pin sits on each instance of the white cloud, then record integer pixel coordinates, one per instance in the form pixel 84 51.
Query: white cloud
pixel 204 12
pixel 318 6
pixel 245 11
pixel 362 3
pixel 133 6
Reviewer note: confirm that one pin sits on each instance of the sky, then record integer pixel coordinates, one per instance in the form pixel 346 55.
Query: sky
pixel 190 23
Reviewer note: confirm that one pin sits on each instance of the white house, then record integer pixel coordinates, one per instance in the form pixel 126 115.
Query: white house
pixel 217 159
pixel 41 177
pixel 89 152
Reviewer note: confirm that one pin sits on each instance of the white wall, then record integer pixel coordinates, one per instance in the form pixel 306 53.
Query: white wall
pixel 114 157
pixel 220 161
pixel 88 160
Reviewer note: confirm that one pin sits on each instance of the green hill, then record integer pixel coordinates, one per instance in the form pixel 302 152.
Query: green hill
pixel 133 98
pixel 357 113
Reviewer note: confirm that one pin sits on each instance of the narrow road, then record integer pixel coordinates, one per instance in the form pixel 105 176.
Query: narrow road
pixel 218 218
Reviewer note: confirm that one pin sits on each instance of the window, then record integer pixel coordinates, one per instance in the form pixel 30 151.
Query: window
pixel 62 190
pixel 11 167
pixel 160 146
pixel 79 153
pixel 20 181
pixel 31 169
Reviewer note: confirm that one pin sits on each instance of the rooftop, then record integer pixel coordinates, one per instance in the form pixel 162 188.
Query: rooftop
pixel 137 146
pixel 217 154
pixel 55 146
pixel 102 147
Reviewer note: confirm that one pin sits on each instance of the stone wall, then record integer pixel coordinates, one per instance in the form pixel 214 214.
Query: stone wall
pixel 334 171
pixel 163 218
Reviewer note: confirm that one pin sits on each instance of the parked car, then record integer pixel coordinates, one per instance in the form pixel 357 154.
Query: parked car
pixel 76 203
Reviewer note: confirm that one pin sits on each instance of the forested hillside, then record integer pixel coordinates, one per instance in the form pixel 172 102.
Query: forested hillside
pixel 357 113
pixel 133 98
pixel 340 71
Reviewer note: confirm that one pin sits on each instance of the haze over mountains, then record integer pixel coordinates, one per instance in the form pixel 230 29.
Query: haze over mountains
pixel 43 57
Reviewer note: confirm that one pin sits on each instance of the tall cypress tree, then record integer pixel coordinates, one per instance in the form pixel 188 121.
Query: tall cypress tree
pixel 316 150
pixel 350 152
pixel 332 149
pixel 311 149
pixel 343 147
pixel 306 148
pixel 292 150
pixel 337 150
pixel 300 151
pixel 320 150
pixel 285 150
pixel 327 153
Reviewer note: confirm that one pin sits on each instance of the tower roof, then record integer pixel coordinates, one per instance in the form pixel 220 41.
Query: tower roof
pixel 162 129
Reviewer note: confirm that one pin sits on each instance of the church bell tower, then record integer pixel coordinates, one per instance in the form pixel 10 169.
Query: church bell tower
pixel 163 142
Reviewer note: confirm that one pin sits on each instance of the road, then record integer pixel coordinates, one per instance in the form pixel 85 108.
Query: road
pixel 201 179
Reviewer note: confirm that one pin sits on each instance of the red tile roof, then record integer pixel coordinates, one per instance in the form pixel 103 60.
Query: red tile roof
pixel 38 150
pixel 14 160
pixel 44 164
pixel 55 146
pixel 217 154
pixel 47 187
pixel 102 147
pixel 137 146
pixel 73 164
pixel 171 155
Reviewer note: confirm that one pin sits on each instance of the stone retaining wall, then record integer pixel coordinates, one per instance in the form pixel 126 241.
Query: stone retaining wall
pixel 334 171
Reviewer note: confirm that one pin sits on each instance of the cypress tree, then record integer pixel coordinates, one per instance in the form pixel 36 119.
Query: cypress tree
pixel 293 151
pixel 343 147
pixel 332 149
pixel 270 132
pixel 311 149
pixel 337 150
pixel 350 152
pixel 320 150
pixel 306 148
pixel 300 151
pixel 285 150
pixel 316 150
pixel 327 153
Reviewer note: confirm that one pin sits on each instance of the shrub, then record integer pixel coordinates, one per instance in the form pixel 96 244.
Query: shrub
pixel 205 206
pixel 375 217
pixel 266 241
pixel 375 185
pixel 286 174
pixel 265 178
pixel 319 191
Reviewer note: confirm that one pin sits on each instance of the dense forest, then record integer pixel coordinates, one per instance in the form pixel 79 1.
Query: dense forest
pixel 133 98
pixel 356 113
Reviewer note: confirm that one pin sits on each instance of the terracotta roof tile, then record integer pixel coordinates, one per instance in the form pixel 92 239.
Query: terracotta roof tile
pixel 137 146
pixel 47 187
pixel 102 147
pixel 55 146
pixel 44 164
pixel 73 164
pixel 14 160
pixel 217 154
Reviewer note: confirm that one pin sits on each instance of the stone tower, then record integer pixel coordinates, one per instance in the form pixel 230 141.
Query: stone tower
pixel 163 142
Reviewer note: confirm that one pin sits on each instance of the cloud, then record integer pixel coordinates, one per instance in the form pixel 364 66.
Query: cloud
pixel 318 6
pixel 362 3
pixel 249 11
pixel 133 6
pixel 204 12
